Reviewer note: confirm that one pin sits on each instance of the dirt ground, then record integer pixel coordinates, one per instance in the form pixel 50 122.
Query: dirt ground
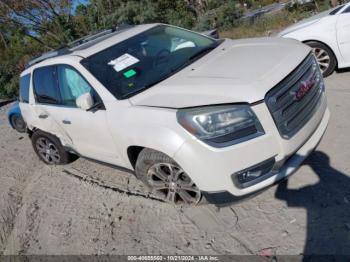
pixel 87 208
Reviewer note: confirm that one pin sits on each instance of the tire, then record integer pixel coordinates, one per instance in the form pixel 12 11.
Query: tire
pixel 166 178
pixel 325 57
pixel 49 149
pixel 18 123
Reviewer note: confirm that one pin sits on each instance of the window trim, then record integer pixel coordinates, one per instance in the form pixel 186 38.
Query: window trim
pixel 60 104
pixel 34 89
pixel 19 95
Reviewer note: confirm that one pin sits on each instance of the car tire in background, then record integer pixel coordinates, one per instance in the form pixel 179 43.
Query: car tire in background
pixel 49 149
pixel 18 123
pixel 166 178
pixel 325 57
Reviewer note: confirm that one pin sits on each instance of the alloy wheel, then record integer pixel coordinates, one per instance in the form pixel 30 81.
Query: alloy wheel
pixel 173 183
pixel 323 58
pixel 48 151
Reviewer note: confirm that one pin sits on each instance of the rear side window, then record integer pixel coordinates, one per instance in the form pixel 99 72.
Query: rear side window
pixel 24 89
pixel 46 85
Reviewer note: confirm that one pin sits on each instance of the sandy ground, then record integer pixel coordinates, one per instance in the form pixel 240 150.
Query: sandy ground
pixel 86 208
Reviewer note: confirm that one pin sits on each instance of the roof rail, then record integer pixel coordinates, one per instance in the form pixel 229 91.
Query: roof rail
pixel 81 42
pixel 50 54
pixel 90 37
pixel 69 48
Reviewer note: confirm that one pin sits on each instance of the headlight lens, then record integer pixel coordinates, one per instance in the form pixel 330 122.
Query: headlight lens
pixel 220 125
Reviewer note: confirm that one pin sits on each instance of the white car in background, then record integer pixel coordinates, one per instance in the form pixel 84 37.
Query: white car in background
pixel 328 33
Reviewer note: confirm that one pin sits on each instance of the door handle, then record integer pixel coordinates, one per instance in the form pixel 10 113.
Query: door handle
pixel 43 116
pixel 66 122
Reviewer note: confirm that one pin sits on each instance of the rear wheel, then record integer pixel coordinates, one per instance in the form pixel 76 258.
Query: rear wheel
pixel 49 149
pixel 18 123
pixel 166 178
pixel 325 57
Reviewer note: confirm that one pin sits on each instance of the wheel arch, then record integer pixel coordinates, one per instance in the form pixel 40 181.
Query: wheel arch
pixel 35 129
pixel 9 117
pixel 133 153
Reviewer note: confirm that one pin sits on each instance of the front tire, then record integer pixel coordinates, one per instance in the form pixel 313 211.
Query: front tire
pixel 49 149
pixel 325 57
pixel 166 178
pixel 18 123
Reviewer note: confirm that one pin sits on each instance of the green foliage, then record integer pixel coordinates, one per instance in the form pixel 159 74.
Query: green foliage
pixel 264 26
pixel 220 14
pixel 30 27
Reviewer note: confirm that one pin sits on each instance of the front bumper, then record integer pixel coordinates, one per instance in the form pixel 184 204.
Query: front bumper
pixel 212 168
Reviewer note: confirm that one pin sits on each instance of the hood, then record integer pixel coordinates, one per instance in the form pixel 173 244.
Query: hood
pixel 305 22
pixel 236 71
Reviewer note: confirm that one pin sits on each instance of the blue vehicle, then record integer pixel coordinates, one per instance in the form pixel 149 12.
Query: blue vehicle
pixel 15 118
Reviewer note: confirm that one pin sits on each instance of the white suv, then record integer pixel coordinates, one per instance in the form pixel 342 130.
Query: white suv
pixel 191 115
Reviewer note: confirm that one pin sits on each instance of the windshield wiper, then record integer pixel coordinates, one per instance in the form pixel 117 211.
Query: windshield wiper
pixel 201 53
pixel 176 69
pixel 194 57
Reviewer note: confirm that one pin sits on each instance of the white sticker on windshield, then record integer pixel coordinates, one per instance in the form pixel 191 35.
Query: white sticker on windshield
pixel 123 62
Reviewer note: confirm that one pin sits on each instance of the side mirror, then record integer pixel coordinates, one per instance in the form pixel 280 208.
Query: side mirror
pixel 85 101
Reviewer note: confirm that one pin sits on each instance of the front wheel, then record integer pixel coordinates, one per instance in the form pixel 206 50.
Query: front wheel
pixel 325 57
pixel 166 178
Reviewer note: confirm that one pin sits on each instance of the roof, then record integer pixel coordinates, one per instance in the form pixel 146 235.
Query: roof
pixel 93 43
pixel 110 41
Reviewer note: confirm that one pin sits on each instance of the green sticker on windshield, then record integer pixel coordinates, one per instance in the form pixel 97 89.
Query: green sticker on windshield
pixel 129 73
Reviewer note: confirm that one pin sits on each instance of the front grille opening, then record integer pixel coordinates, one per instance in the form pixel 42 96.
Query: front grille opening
pixel 295 99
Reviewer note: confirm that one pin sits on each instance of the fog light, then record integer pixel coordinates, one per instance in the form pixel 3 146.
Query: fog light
pixel 254 174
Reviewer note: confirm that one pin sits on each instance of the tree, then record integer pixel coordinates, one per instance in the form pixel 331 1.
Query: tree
pixel 45 21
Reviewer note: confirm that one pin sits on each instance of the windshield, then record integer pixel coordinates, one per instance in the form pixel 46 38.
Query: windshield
pixel 146 59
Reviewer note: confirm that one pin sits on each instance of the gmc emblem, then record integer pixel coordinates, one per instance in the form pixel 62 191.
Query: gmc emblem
pixel 304 88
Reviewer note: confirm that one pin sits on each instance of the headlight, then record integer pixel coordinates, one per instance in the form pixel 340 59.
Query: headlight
pixel 221 125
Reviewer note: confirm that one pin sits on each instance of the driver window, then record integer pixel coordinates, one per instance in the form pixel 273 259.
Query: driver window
pixel 72 85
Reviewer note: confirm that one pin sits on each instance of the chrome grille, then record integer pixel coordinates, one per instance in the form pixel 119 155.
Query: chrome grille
pixel 295 100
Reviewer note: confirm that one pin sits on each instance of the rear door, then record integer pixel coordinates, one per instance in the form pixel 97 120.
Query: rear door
pixel 84 131
pixel 343 35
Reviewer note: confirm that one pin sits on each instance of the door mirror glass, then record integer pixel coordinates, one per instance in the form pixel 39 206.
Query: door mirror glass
pixel 85 101
pixel 72 85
